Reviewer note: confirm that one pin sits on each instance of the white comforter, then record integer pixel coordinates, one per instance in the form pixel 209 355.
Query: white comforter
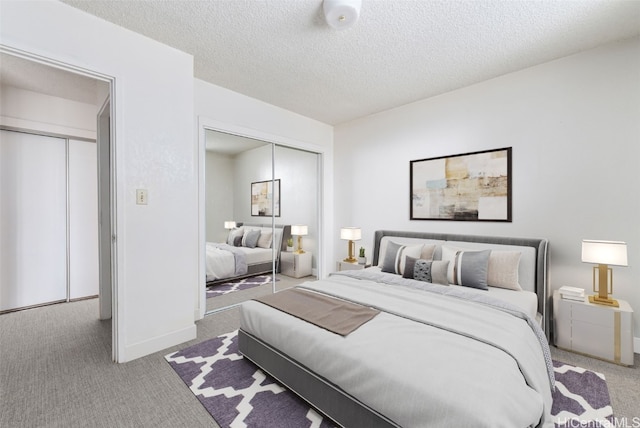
pixel 445 362
pixel 221 262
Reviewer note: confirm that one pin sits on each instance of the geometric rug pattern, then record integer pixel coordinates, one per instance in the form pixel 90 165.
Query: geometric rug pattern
pixel 235 392
pixel 238 394
pixel 581 398
pixel 237 285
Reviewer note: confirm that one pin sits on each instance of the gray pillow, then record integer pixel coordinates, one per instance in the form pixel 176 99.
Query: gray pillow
pixel 409 267
pixel 390 256
pixel 434 272
pixel 422 270
pixel 251 238
pixel 470 268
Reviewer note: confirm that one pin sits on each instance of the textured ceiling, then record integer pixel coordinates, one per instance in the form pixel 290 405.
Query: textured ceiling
pixel 284 53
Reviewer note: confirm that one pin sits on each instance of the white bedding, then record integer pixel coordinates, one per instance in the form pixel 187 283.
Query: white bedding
pixel 443 362
pixel 220 263
pixel 525 300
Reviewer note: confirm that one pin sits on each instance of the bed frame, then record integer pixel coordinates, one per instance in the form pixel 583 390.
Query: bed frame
pixel 260 268
pixel 328 398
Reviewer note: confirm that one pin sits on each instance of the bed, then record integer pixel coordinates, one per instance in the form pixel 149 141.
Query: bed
pixel 249 250
pixel 431 355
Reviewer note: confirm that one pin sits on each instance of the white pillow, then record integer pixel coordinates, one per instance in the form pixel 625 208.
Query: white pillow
pixel 503 269
pixel 265 239
pixel 233 233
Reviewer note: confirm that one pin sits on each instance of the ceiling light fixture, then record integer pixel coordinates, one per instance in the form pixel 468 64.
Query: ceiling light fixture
pixel 341 14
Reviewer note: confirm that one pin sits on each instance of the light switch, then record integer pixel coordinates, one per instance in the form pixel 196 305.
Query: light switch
pixel 141 196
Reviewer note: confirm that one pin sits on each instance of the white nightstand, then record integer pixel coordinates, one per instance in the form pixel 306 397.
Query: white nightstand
pixel 596 330
pixel 295 265
pixel 342 265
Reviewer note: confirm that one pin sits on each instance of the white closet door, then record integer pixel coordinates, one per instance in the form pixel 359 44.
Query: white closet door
pixel 33 257
pixel 83 219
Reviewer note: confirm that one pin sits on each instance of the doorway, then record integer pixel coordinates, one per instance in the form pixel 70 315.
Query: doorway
pixel 61 111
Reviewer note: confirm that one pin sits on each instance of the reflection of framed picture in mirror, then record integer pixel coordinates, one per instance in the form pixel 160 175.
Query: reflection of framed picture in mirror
pixel 265 195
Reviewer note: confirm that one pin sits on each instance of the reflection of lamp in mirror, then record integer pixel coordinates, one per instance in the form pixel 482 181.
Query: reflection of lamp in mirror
pixel 604 253
pixel 229 225
pixel 351 234
pixel 299 230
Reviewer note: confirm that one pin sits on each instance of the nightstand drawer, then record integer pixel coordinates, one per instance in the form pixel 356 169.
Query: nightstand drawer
pixel 593 339
pixel 600 331
pixel 592 315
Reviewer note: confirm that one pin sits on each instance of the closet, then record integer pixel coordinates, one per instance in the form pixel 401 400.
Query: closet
pixel 48 220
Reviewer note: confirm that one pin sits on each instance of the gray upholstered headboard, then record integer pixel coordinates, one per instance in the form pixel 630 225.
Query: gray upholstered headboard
pixel 539 246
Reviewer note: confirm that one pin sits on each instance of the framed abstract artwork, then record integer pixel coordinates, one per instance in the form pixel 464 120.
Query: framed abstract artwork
pixel 265 198
pixel 467 187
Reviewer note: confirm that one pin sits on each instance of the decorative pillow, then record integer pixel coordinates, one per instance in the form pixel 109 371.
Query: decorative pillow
pixel 265 239
pixel 237 241
pixel 245 235
pixel 422 270
pixel 431 271
pixel 468 268
pixel 427 252
pixel 395 257
pixel 409 267
pixel 439 272
pixel 503 269
pixel 233 234
pixel 250 239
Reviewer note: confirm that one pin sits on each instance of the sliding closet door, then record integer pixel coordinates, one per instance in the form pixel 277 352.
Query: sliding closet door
pixel 33 239
pixel 83 219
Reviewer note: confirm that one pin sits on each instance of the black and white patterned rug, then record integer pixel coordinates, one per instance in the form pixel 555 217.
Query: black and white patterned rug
pixel 237 285
pixel 238 394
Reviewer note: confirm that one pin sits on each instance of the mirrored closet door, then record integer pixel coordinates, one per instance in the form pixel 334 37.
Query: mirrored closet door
pixel 251 186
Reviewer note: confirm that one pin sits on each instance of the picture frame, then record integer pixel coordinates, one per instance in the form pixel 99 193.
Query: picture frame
pixel 472 186
pixel 265 198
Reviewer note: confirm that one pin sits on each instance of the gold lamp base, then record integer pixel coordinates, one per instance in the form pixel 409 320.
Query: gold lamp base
pixel 605 286
pixel 606 301
pixel 352 250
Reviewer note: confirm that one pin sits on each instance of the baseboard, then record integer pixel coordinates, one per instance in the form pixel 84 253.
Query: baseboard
pixel 159 343
pixel 636 345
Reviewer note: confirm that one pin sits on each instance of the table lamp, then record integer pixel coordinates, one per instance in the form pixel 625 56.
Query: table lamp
pixel 604 253
pixel 300 231
pixel 351 234
pixel 229 225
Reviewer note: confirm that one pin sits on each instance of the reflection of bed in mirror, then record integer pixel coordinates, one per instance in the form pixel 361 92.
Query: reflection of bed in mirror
pixel 248 251
pixel 424 352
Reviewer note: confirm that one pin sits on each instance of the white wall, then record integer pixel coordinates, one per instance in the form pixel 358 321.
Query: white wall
pixel 298 174
pixel 574 125
pixel 157 244
pixel 219 187
pixel 24 109
pixel 298 171
pixel 225 110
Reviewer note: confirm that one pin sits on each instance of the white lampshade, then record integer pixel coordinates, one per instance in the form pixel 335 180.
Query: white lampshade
pixel 351 233
pixel 299 230
pixel 341 14
pixel 604 252
pixel 229 224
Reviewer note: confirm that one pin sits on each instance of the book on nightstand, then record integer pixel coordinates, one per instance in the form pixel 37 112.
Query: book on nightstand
pixel 571 293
